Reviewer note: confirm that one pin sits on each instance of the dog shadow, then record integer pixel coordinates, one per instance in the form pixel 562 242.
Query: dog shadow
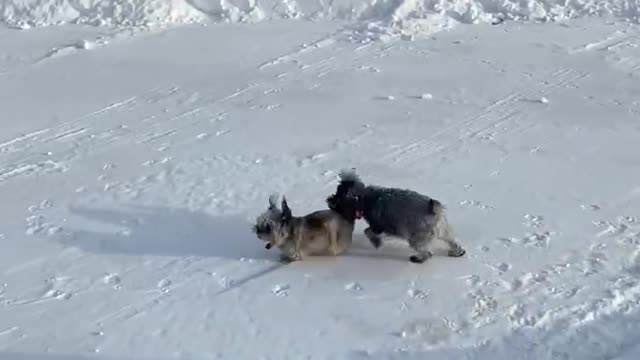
pixel 166 231
pixel 392 249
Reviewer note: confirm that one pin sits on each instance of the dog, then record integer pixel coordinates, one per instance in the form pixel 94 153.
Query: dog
pixel 324 232
pixel 403 213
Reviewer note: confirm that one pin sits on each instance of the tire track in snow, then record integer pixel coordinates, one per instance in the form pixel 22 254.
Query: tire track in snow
pixel 612 41
pixel 61 131
pixel 620 49
pixel 33 153
pixel 70 47
pixel 500 112
pixel 323 42
pixel 198 115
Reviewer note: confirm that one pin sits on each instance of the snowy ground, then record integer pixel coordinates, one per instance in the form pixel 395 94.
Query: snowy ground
pixel 131 168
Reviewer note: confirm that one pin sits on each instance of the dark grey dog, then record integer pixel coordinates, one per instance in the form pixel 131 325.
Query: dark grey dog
pixel 397 212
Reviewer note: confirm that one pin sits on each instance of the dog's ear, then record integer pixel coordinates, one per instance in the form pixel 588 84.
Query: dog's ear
pixel 273 198
pixel 330 200
pixel 286 211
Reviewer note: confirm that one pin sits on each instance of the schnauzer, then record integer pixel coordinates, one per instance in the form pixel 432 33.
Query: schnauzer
pixel 396 212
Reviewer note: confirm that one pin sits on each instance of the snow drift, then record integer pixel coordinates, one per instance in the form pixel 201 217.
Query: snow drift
pixel 403 15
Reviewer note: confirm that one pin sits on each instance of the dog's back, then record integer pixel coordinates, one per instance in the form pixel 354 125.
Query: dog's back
pixel 399 211
pixel 325 232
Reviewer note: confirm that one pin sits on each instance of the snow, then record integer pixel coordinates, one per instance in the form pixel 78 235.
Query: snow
pixel 369 18
pixel 134 158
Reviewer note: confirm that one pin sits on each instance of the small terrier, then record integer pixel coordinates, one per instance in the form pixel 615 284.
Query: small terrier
pixel 397 212
pixel 324 232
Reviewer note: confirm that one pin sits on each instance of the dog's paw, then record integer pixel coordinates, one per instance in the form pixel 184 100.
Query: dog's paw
pixel 285 259
pixel 458 252
pixel 420 258
pixel 376 242
pixel 374 238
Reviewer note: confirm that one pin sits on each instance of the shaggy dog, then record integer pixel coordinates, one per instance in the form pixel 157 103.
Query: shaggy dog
pixel 396 212
pixel 324 232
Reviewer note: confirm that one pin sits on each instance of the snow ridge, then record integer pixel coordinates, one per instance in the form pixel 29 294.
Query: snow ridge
pixel 399 16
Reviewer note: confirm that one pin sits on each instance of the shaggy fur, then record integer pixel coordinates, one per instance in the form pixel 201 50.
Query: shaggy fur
pixel 397 212
pixel 324 232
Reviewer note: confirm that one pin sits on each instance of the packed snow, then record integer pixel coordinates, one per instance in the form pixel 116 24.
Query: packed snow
pixel 137 148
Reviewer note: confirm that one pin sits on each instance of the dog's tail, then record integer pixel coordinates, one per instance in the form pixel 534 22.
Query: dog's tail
pixel 436 207
pixel 442 228
pixel 273 201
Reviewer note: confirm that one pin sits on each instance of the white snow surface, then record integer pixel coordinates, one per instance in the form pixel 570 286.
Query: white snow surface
pixel 408 17
pixel 132 168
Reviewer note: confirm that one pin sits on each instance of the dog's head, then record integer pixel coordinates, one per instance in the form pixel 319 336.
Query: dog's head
pixel 348 199
pixel 273 225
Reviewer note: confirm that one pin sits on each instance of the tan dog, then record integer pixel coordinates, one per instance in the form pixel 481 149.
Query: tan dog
pixel 321 233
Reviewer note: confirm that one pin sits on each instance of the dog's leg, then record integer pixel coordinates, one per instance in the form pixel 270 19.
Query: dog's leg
pixel 455 250
pixel 374 238
pixel 345 239
pixel 448 236
pixel 290 256
pixel 421 243
pixel 297 253
pixel 291 252
pixel 334 241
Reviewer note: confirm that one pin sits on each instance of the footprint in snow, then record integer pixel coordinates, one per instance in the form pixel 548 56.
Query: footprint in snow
pixel 353 287
pixel 533 220
pixel 309 160
pixel 476 204
pixel 592 207
pixel 432 331
pixel 484 306
pixel 164 285
pixel 560 292
pixel 519 317
pixel 503 267
pixel 281 290
pixel 57 294
pixel 527 280
pixel 45 204
pixel 113 280
pixel 417 294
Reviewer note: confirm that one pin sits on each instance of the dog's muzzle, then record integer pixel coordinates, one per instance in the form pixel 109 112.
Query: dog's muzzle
pixel 359 215
pixel 268 246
